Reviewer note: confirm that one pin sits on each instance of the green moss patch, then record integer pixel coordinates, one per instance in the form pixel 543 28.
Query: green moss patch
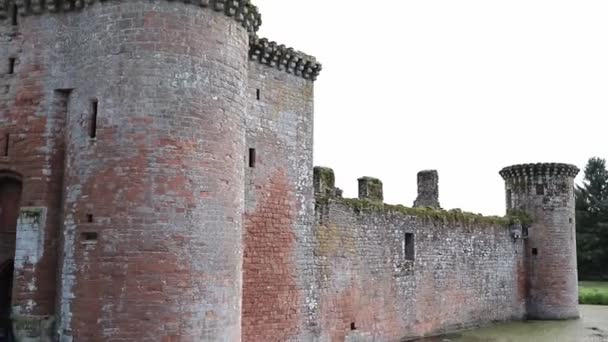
pixel 431 214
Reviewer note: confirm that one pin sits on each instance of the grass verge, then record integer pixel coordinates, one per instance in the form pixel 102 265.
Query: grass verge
pixel 593 293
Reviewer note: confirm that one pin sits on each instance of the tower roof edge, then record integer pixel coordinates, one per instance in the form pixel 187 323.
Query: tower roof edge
pixel 549 169
pixel 284 58
pixel 243 11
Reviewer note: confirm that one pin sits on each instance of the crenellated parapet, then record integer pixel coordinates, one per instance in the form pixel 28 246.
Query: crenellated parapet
pixel 283 58
pixel 540 169
pixel 243 11
pixel 428 189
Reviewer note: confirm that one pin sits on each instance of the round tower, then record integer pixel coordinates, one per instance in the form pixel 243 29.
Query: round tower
pixel 545 192
pixel 155 99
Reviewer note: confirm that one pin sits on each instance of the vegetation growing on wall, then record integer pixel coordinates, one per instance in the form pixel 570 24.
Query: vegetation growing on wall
pixel 432 214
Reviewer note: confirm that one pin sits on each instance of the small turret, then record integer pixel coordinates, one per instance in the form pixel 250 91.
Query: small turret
pixel 428 189
pixel 546 193
pixel 371 189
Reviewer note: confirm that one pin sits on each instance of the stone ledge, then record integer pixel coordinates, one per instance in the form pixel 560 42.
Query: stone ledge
pixel 540 169
pixel 283 58
pixel 243 11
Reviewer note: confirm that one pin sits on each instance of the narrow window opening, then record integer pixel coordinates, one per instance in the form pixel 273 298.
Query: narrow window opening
pixel 570 220
pixel 540 189
pixel 534 251
pixel 252 157
pixel 258 94
pixel 90 218
pixel 7 142
pixel 89 236
pixel 408 246
pixel 93 128
pixel 11 66
pixel 353 326
pixel 14 15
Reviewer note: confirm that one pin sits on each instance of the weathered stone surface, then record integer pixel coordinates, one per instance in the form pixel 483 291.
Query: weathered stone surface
pixel 428 189
pixel 546 193
pixel 371 189
pixel 278 280
pixel 463 273
pixel 156 168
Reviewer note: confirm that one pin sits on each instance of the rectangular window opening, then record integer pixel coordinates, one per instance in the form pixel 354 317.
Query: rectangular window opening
pixel 14 15
pixel 89 236
pixel 93 128
pixel 7 142
pixel 353 326
pixel 408 246
pixel 252 157
pixel 11 65
pixel 258 94
pixel 90 218
pixel 534 251
pixel 540 189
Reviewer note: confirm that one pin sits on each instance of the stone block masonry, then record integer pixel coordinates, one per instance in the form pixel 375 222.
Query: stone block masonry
pixel 428 189
pixel 389 272
pixel 546 192
pixel 156 184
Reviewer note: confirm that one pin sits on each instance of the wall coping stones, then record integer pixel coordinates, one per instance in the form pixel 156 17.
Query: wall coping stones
pixel 284 58
pixel 243 11
pixel 437 215
pixel 539 169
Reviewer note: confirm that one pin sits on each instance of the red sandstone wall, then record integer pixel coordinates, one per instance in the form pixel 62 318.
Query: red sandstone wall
pixel 547 194
pixel 277 275
pixel 463 275
pixel 33 119
pixel 152 230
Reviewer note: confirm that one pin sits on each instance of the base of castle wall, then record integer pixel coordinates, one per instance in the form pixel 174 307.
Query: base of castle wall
pixel 33 328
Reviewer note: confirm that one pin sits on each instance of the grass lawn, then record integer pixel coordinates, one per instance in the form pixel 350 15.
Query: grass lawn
pixel 593 292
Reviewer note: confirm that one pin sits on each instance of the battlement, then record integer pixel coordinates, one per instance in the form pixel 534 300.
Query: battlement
pixel 371 199
pixel 428 189
pixel 283 58
pixel 243 11
pixel 539 169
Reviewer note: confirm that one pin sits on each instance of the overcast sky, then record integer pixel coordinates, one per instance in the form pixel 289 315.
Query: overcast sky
pixel 462 86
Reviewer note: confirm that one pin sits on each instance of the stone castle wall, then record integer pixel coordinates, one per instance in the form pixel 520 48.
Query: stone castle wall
pixel 129 125
pixel 159 188
pixel 388 272
pixel 32 124
pixel 164 156
pixel 277 264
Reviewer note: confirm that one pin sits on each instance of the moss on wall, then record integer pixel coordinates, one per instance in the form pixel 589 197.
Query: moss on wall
pixel 432 214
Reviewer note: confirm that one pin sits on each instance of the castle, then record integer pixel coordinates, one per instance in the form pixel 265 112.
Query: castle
pixel 156 184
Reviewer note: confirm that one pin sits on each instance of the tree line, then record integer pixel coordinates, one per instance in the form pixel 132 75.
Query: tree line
pixel 592 221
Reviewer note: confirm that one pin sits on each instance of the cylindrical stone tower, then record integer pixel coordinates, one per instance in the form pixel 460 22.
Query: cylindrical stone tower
pixel 546 193
pixel 155 99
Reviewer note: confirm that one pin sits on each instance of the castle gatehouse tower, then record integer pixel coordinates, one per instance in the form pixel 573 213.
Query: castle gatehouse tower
pixel 546 193
pixel 127 126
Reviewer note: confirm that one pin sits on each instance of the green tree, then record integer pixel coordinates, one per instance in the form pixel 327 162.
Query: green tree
pixel 592 221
